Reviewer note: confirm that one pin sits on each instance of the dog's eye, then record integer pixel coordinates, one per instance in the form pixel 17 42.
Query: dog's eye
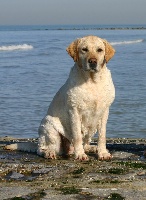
pixel 84 49
pixel 99 50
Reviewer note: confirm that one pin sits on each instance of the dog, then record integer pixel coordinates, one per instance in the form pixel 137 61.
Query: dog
pixel 81 106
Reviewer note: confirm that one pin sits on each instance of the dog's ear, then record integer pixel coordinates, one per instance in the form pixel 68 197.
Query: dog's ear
pixel 109 51
pixel 72 49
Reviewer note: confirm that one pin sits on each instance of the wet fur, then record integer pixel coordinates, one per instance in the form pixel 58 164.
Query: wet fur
pixel 81 106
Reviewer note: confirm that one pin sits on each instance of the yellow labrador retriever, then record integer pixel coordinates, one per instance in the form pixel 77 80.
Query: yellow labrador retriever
pixel 81 106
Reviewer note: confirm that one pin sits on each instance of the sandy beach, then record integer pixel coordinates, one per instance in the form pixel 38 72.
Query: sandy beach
pixel 28 176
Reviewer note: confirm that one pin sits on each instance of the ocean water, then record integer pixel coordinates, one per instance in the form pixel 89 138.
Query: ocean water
pixel 34 64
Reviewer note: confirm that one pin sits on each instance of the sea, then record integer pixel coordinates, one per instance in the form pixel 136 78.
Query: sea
pixel 34 64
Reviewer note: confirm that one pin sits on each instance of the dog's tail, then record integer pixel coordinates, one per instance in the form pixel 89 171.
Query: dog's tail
pixel 22 146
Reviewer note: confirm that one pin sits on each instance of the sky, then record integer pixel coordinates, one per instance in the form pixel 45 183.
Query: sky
pixel 49 12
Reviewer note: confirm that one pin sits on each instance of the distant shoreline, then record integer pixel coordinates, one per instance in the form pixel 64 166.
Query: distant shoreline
pixel 70 27
pixel 112 28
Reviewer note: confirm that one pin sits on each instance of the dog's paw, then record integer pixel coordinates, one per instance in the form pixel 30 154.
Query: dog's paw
pixel 50 155
pixel 81 157
pixel 104 155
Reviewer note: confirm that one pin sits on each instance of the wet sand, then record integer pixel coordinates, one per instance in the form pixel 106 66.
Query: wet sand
pixel 29 176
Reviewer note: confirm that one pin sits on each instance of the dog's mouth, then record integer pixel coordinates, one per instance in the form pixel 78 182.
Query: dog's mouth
pixel 92 68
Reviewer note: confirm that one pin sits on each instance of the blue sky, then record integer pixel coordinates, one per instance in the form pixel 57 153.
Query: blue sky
pixel 45 12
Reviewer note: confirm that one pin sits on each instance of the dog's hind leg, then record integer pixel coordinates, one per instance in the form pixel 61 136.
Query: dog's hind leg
pixel 50 143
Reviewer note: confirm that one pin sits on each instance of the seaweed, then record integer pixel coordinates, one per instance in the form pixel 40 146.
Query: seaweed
pixel 116 171
pixel 69 190
pixel 135 165
pixel 115 196
pixel 79 171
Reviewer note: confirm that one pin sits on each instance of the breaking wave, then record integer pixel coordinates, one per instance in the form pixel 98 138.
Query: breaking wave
pixel 16 47
pixel 127 42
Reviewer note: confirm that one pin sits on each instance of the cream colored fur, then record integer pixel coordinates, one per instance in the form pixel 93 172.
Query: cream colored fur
pixel 81 107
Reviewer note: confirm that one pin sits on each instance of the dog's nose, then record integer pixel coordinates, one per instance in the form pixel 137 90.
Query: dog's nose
pixel 92 62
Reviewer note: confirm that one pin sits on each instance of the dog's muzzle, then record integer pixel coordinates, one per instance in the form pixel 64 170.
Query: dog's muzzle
pixel 92 63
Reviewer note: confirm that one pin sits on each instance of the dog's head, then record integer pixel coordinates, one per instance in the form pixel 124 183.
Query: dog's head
pixel 91 52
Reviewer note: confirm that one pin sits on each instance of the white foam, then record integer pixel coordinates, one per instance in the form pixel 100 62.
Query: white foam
pixel 16 47
pixel 127 42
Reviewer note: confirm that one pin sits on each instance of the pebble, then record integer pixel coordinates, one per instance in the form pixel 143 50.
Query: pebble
pixel 14 175
pixel 38 172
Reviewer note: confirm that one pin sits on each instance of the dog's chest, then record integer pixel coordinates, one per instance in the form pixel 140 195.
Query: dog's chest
pixel 94 99
pixel 94 102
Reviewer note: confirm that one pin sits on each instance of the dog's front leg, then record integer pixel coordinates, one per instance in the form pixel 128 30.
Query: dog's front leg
pixel 75 124
pixel 103 153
